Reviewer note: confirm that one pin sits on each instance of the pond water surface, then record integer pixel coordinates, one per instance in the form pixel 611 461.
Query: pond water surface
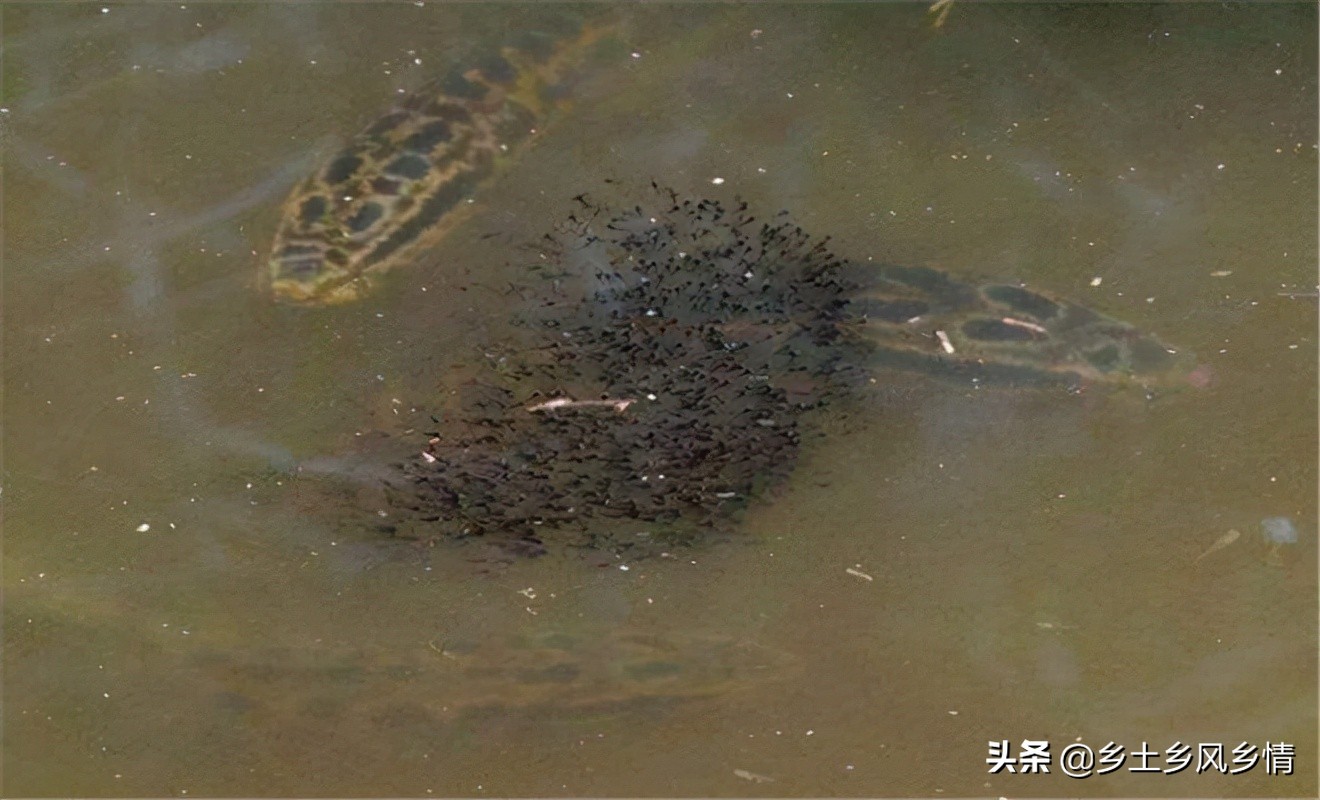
pixel 949 566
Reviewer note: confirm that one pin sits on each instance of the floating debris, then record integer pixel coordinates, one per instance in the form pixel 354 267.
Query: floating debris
pixel 1025 325
pixel 1278 532
pixel 564 402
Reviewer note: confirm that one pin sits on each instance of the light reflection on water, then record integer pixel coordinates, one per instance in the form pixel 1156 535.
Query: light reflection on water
pixel 1032 557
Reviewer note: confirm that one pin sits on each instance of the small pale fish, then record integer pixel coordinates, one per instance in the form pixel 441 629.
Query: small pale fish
pixel 857 573
pixel 1054 626
pixel 1219 544
pixel 402 181
pixel 754 777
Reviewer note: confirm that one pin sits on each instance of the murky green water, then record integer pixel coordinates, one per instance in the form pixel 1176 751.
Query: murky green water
pixel 1024 565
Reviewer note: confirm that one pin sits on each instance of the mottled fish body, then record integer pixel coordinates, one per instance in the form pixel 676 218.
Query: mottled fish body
pixel 925 320
pixel 766 285
pixel 403 179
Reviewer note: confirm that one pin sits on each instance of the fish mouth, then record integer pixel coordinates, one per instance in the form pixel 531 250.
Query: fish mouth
pixel 1128 355
pixel 1148 356
pixel 304 268
pixel 307 278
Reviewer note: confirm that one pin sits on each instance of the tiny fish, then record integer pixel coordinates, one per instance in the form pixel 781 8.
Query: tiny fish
pixel 1220 544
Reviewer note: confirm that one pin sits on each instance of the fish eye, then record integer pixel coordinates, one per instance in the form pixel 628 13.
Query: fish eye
pixel 300 268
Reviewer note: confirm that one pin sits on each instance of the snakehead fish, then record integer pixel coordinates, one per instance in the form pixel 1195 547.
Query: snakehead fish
pixel 403 180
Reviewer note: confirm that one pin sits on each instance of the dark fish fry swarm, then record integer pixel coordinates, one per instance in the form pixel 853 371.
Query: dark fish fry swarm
pixel 681 351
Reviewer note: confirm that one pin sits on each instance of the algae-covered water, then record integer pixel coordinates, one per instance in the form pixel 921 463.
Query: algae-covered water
pixel 949 566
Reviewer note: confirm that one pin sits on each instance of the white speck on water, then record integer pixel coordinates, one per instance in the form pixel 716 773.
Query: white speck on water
pixel 717 181
pixel 143 528
pixel 636 54
pixel 1221 166
pixel 1097 280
